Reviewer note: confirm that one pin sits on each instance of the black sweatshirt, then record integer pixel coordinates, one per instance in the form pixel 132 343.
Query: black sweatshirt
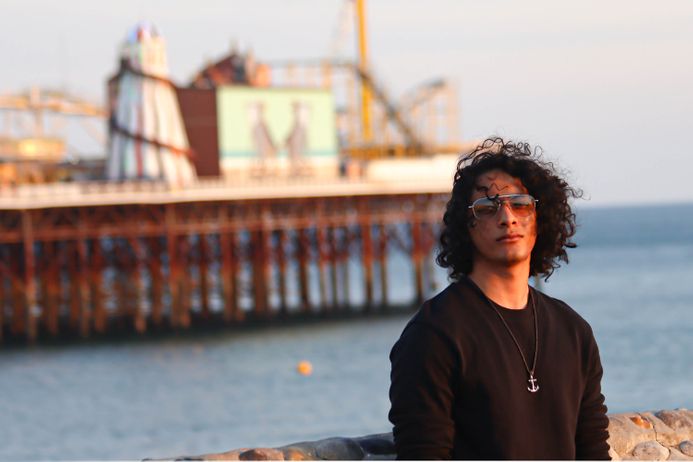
pixel 459 386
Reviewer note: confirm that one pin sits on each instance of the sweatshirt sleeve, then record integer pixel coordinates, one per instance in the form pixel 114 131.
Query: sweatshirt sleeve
pixel 592 427
pixel 421 394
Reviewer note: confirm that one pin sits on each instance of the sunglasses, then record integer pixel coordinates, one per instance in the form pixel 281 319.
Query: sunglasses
pixel 522 205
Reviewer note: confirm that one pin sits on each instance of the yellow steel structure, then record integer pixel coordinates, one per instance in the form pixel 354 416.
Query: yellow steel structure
pixel 424 121
pixel 371 124
pixel 366 127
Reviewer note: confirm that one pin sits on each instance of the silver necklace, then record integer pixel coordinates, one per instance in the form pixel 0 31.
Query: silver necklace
pixel 533 386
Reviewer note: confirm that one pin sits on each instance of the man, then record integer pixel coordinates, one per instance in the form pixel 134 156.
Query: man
pixel 491 368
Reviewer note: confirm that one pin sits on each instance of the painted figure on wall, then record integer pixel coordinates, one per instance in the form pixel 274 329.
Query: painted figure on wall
pixel 262 138
pixel 297 139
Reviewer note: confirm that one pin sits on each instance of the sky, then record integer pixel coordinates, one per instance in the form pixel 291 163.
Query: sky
pixel 605 88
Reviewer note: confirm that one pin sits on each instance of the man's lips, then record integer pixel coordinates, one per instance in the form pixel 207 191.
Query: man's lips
pixel 509 238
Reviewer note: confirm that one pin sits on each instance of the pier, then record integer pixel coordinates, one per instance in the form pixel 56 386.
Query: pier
pixel 85 259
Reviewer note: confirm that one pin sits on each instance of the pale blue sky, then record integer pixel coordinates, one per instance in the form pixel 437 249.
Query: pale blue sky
pixel 605 87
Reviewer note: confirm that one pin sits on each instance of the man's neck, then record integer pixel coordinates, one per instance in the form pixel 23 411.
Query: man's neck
pixel 506 286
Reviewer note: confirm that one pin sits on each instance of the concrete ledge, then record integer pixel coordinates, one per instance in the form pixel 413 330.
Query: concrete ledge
pixel 661 435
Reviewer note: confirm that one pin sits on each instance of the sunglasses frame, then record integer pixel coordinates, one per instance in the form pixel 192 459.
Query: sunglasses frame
pixel 498 201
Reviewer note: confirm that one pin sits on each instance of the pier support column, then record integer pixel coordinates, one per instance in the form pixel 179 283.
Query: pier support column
pixel 229 270
pixel 382 263
pixel 173 273
pixel 367 262
pixel 333 256
pixel 72 288
pixel 302 250
pixel 3 277
pixel 18 324
pixel 185 281
pixel 417 259
pixel 96 285
pixel 280 256
pixel 204 261
pixel 50 288
pixel 322 255
pixel 82 284
pixel 121 284
pixel 344 256
pixel 155 250
pixel 139 320
pixel 29 281
pixel 56 288
pixel 428 261
pixel 260 268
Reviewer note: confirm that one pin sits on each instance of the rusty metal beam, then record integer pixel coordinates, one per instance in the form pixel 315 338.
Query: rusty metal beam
pixel 29 281
pixel 63 256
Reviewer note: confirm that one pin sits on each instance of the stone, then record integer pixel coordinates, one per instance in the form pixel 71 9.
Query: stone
pixel 650 450
pixel 261 454
pixel 674 454
pixel 625 434
pixel 665 434
pixel 380 457
pixel 229 455
pixel 640 422
pixel 377 445
pixel 304 450
pixel 339 449
pixel 293 453
pixel 686 447
pixel 613 454
pixel 681 420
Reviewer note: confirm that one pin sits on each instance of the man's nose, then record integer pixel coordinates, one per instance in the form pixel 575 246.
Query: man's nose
pixel 505 214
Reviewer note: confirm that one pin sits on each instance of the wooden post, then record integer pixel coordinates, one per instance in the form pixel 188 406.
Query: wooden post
pixel 185 281
pixel 156 278
pixel 302 249
pixel 173 273
pixel 18 325
pixel 72 288
pixel 333 255
pixel 138 318
pixel 227 242
pixel 322 255
pixel 260 268
pixel 3 275
pixel 29 281
pixel 82 284
pixel 57 287
pixel 417 258
pixel 96 280
pixel 204 260
pixel 382 260
pixel 367 261
pixel 44 272
pixel 429 281
pixel 280 255
pixel 121 287
pixel 344 257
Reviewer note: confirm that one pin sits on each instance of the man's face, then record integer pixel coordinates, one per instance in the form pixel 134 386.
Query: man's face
pixel 505 238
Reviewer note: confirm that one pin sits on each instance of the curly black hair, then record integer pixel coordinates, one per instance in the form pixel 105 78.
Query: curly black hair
pixel 555 219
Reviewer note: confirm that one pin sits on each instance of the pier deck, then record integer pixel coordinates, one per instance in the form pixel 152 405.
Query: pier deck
pixel 78 259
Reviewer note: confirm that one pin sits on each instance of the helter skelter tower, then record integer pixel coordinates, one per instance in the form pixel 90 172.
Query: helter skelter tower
pixel 147 136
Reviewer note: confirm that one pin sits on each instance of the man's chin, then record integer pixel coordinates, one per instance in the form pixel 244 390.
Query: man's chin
pixel 512 259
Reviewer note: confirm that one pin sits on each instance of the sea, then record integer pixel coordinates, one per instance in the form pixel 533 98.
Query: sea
pixel 631 277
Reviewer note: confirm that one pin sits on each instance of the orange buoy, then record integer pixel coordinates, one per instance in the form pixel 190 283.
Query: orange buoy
pixel 304 367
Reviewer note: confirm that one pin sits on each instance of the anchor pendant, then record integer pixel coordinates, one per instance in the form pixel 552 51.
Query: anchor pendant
pixel 533 387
